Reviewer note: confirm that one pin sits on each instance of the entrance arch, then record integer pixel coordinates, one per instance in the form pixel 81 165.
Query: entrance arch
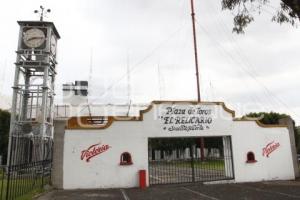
pixel 178 160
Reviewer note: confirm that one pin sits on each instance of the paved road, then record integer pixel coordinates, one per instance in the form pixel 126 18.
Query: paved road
pixel 251 191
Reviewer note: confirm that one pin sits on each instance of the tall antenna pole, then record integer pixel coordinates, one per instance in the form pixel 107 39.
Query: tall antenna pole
pixel 201 141
pixel 128 85
pixel 89 84
pixel 159 81
pixel 195 51
pixel 91 69
pixel 128 80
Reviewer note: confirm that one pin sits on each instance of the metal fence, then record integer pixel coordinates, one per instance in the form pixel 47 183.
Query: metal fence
pixel 185 165
pixel 24 176
pixel 3 180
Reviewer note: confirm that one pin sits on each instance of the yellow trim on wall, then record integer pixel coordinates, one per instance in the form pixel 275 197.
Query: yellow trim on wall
pixel 261 124
pixel 82 122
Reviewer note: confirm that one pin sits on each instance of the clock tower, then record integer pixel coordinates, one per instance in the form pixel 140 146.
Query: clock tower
pixel 31 128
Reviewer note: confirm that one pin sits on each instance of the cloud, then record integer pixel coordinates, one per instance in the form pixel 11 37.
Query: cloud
pixel 152 33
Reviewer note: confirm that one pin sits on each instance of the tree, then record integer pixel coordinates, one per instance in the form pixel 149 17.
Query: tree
pixel 4 132
pixel 289 12
pixel 267 118
pixel 273 118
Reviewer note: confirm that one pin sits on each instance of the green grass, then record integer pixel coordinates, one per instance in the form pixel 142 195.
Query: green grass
pixel 208 164
pixel 2 186
pixel 216 164
pixel 31 194
pixel 25 188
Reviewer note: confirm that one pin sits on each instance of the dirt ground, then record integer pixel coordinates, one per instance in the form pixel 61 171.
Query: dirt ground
pixel 257 191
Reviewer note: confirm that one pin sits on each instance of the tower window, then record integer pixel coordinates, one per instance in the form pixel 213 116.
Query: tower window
pixel 125 159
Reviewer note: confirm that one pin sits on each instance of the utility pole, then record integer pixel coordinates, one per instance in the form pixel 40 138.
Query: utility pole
pixel 195 51
pixel 197 72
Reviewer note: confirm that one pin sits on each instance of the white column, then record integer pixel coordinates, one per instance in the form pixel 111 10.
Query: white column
pixel 227 157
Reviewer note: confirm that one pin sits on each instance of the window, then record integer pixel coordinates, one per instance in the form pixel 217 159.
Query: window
pixel 125 159
pixel 250 157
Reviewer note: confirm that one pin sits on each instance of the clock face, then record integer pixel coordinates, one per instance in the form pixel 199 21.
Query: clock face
pixel 34 38
pixel 53 45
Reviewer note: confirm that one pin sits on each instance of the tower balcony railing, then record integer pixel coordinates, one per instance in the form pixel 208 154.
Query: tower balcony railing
pixel 117 110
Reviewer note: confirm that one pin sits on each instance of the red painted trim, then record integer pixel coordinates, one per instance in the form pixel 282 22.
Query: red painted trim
pixel 251 161
pixel 126 163
pixel 123 162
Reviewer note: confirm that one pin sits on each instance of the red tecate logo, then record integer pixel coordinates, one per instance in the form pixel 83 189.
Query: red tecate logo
pixel 272 146
pixel 93 151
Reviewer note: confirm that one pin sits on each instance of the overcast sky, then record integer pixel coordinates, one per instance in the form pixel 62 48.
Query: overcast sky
pixel 258 71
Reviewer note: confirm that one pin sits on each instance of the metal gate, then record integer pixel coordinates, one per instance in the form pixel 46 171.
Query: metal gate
pixel 179 160
pixel 29 167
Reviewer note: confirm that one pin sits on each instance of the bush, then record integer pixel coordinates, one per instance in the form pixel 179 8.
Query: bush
pixel 4 132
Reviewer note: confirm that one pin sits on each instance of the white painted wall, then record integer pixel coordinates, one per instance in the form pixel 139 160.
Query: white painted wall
pixel 104 171
pixel 248 136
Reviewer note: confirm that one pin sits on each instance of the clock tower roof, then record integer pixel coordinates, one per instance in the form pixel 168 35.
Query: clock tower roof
pixel 40 23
